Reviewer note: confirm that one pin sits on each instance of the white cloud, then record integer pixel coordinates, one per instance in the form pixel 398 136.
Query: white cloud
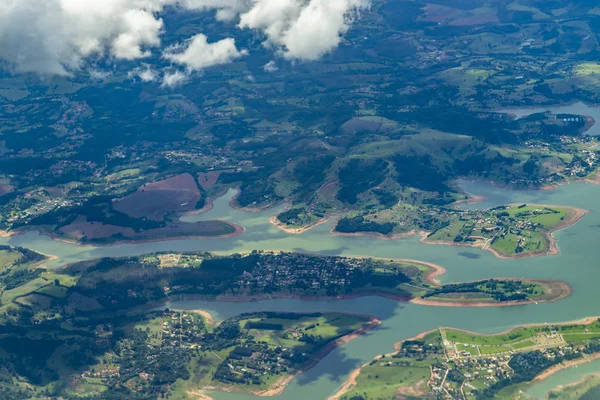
pixel 227 10
pixel 58 36
pixel 173 79
pixel 198 54
pixel 99 75
pixel 271 66
pixel 302 29
pixel 146 74
pixel 55 36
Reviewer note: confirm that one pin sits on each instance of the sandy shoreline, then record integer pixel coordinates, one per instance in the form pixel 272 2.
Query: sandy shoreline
pixel 208 205
pixel 585 321
pixel 296 231
pixel 279 386
pixel 283 296
pixel 565 365
pixel 238 231
pixel 380 236
pixel 350 383
pixel 208 318
pixel 575 215
pixel 565 291
pixel 573 384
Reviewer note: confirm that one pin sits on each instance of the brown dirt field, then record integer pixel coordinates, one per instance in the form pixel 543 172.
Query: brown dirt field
pixel 438 13
pixel 179 230
pixel 155 200
pixel 209 179
pixel 417 390
pixel 483 19
pixel 56 191
pixel 5 189
pixel 93 230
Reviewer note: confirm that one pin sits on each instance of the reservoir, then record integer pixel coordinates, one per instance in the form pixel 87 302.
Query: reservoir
pixel 577 264
pixel 578 108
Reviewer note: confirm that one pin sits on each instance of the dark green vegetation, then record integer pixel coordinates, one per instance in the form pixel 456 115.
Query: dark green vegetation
pixel 259 274
pixel 450 364
pixel 395 117
pixel 491 290
pixel 87 331
pixel 252 352
pixel 149 213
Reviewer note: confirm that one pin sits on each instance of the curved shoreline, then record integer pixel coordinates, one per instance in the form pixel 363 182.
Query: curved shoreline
pixel 584 321
pixel 265 297
pixel 564 365
pixel 239 229
pixel 350 383
pixel 565 292
pixel 380 236
pixel 574 215
pixel 559 388
pixel 296 231
pixel 280 385
pixel 208 205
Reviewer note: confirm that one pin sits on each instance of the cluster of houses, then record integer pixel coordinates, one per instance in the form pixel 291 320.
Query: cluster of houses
pixel 298 271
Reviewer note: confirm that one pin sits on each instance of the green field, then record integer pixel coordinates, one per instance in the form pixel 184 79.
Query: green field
pixel 489 350
pixel 522 345
pixel 383 381
pixel 525 337
pixel 467 348
pixel 515 335
pixel 276 332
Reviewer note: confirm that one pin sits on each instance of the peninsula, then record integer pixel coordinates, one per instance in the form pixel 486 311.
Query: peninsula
pixel 269 274
pixel 455 364
pixel 515 231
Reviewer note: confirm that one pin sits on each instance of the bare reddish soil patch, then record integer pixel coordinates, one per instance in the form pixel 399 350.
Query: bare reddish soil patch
pixel 209 179
pixel 155 200
pixel 438 13
pixel 5 189
pixel 96 231
pixel 453 16
pixel 81 228
pixel 482 19
pixel 56 191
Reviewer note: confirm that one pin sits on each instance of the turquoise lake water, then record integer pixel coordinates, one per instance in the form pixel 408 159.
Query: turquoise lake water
pixel 577 264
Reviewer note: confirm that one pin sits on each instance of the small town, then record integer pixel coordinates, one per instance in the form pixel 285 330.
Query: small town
pixel 468 369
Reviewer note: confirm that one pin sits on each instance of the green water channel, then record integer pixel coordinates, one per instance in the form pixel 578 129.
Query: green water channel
pixel 577 264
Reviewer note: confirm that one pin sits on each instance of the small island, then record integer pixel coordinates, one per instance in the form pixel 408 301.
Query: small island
pixel 454 364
